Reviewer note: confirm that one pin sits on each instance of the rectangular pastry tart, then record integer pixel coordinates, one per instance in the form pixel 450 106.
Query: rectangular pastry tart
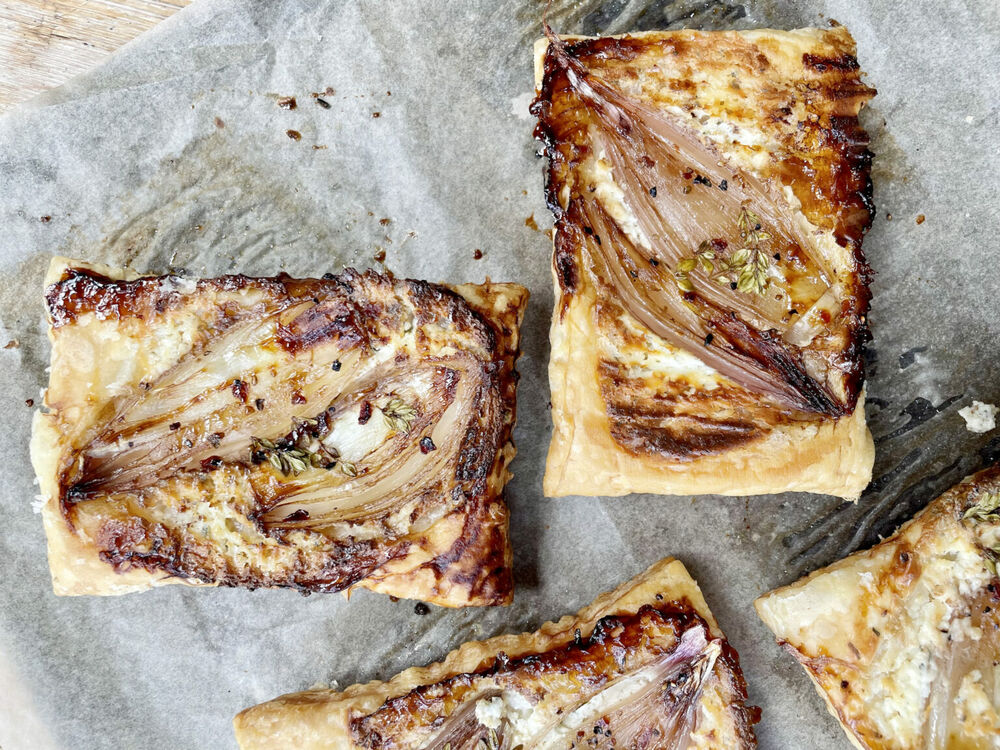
pixel 644 666
pixel 710 193
pixel 318 434
pixel 903 640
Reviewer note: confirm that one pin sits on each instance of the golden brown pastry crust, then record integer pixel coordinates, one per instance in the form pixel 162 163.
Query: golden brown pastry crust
pixel 317 719
pixel 462 558
pixel 762 451
pixel 881 632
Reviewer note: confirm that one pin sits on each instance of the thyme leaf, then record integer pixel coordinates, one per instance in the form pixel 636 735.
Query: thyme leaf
pixel 987 509
pixel 300 451
pixel 747 269
pixel 398 415
pixel 290 461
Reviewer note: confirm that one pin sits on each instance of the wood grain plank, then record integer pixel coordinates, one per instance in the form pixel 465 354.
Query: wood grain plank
pixel 43 43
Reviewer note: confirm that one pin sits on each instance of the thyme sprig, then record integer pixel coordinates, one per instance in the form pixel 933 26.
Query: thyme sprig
pixel 992 555
pixel 751 263
pixel 398 415
pixel 289 460
pixel 986 509
pixel 300 450
pixel 746 270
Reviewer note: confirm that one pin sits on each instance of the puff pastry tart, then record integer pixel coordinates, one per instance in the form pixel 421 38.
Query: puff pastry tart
pixel 710 193
pixel 318 434
pixel 644 666
pixel 903 640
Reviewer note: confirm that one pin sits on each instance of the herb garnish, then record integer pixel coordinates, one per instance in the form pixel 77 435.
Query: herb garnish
pixel 745 270
pixel 301 449
pixel 750 262
pixel 290 461
pixel 986 509
pixel 398 415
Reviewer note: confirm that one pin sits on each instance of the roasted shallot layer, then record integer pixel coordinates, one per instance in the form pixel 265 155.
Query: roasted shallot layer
pixel 288 432
pixel 747 258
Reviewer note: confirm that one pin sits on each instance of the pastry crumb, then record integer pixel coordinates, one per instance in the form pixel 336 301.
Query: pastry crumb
pixel 979 417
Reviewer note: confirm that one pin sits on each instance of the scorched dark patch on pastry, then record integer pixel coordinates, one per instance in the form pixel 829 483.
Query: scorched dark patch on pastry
pixel 651 669
pixel 244 461
pixel 721 267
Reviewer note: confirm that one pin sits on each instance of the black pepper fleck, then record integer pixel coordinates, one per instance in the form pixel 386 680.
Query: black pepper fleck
pixel 335 366
pixel 421 609
pixel 427 445
pixel 724 185
pixel 708 339
pixel 175 426
pixel 652 191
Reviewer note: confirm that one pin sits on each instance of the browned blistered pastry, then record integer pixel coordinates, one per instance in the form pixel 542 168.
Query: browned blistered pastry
pixel 643 666
pixel 710 193
pixel 903 640
pixel 318 434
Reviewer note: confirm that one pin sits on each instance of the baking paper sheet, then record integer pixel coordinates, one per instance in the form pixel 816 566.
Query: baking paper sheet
pixel 175 155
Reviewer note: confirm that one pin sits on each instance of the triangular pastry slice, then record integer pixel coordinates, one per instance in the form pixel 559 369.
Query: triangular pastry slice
pixel 644 666
pixel 903 640
pixel 318 434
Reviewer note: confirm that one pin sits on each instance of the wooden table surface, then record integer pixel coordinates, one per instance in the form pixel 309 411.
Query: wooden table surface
pixel 43 43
